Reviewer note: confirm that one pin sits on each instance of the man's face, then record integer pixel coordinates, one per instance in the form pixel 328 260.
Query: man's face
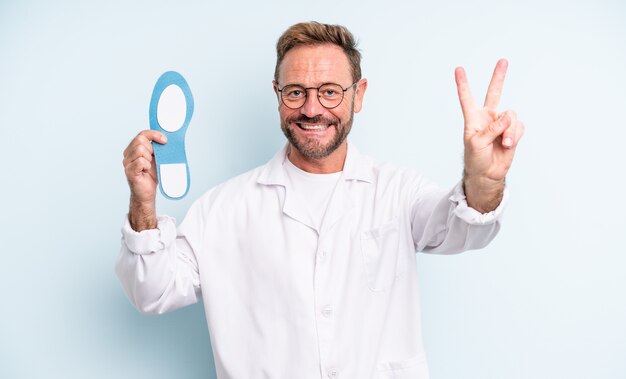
pixel 314 131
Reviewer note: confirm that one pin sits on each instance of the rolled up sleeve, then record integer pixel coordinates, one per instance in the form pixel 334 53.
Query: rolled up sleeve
pixel 157 268
pixel 443 223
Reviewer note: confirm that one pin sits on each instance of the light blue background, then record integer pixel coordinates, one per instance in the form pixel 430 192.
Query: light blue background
pixel 545 300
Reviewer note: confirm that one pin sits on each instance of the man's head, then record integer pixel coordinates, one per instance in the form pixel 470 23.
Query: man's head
pixel 310 55
pixel 314 33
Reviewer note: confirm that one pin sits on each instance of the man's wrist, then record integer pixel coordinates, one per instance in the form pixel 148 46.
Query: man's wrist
pixel 483 194
pixel 142 216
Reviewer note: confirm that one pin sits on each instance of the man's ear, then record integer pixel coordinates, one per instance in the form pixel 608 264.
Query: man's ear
pixel 359 92
pixel 275 85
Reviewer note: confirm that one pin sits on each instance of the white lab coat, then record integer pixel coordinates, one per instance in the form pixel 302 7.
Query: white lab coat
pixel 286 302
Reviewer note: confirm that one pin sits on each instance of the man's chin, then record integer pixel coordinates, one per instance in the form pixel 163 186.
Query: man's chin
pixel 316 152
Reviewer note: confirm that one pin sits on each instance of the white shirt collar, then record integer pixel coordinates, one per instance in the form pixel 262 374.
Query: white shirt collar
pixel 356 167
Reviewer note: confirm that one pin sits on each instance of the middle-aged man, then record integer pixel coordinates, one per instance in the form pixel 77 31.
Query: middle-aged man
pixel 306 265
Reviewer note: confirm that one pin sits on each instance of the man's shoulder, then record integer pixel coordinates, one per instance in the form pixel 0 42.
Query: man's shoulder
pixel 237 185
pixel 386 172
pixel 401 180
pixel 366 168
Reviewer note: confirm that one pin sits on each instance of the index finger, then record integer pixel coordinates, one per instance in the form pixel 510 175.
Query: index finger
pixel 462 87
pixel 494 92
pixel 146 136
pixel 153 135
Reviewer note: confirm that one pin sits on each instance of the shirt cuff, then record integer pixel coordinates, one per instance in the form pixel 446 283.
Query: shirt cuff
pixel 150 240
pixel 471 215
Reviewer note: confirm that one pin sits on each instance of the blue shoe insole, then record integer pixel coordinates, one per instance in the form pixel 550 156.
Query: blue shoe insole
pixel 171 108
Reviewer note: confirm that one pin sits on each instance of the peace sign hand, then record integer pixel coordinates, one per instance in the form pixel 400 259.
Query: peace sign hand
pixel 490 140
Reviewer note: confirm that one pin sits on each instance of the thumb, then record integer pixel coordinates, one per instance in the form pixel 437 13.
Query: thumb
pixel 496 128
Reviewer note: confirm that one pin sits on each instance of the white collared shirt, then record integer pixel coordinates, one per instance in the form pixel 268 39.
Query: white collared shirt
pixel 283 301
pixel 312 190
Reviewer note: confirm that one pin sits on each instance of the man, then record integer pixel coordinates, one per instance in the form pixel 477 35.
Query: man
pixel 306 264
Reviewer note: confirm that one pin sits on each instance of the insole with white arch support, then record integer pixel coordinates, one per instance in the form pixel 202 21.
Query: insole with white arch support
pixel 171 108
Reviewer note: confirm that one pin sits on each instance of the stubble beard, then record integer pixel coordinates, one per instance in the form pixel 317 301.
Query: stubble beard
pixel 311 148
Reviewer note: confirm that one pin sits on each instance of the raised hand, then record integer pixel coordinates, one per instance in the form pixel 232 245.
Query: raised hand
pixel 490 139
pixel 142 179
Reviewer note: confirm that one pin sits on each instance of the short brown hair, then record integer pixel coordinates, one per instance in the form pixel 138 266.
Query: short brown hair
pixel 315 33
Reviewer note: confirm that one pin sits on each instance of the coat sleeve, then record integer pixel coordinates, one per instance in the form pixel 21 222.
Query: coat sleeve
pixel 443 223
pixel 158 267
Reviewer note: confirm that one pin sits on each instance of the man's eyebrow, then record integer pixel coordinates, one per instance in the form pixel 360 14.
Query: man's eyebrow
pixel 293 84
pixel 311 86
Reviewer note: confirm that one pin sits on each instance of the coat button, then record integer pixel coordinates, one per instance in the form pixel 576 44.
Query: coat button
pixel 327 311
pixel 332 374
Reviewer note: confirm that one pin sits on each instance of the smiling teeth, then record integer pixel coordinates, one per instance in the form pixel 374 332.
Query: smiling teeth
pixel 313 127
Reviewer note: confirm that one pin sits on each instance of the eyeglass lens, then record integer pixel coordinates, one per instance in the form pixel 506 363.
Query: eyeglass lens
pixel 329 95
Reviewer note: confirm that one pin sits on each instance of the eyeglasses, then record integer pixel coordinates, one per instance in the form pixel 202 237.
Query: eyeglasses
pixel 330 95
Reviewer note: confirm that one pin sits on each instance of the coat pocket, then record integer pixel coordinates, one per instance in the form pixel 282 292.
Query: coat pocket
pixel 381 255
pixel 412 368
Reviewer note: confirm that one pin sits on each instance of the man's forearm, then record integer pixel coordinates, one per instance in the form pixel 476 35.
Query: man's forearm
pixel 142 216
pixel 483 194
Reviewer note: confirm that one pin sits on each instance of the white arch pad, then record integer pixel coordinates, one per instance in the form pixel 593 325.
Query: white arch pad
pixel 172 108
pixel 174 179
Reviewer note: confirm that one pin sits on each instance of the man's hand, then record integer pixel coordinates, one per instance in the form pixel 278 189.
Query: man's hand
pixel 490 140
pixel 142 179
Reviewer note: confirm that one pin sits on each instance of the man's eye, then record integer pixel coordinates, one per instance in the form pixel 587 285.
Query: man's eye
pixel 295 93
pixel 330 93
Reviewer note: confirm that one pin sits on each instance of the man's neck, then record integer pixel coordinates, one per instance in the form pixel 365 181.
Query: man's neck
pixel 331 164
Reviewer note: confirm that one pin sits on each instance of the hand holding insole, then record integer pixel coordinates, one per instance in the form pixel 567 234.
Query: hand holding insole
pixel 171 108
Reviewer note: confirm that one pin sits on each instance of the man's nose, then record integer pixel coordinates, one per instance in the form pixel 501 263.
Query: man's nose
pixel 312 106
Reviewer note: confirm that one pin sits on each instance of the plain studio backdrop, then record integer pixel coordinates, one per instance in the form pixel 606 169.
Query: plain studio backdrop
pixel 547 299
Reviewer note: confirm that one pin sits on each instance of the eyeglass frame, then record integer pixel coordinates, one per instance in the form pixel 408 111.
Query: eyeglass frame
pixel 306 93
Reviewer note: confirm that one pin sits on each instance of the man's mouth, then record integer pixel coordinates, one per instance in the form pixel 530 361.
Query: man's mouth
pixel 316 127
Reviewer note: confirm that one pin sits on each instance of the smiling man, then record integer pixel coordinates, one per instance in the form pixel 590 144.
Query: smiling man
pixel 306 265
pixel 317 126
